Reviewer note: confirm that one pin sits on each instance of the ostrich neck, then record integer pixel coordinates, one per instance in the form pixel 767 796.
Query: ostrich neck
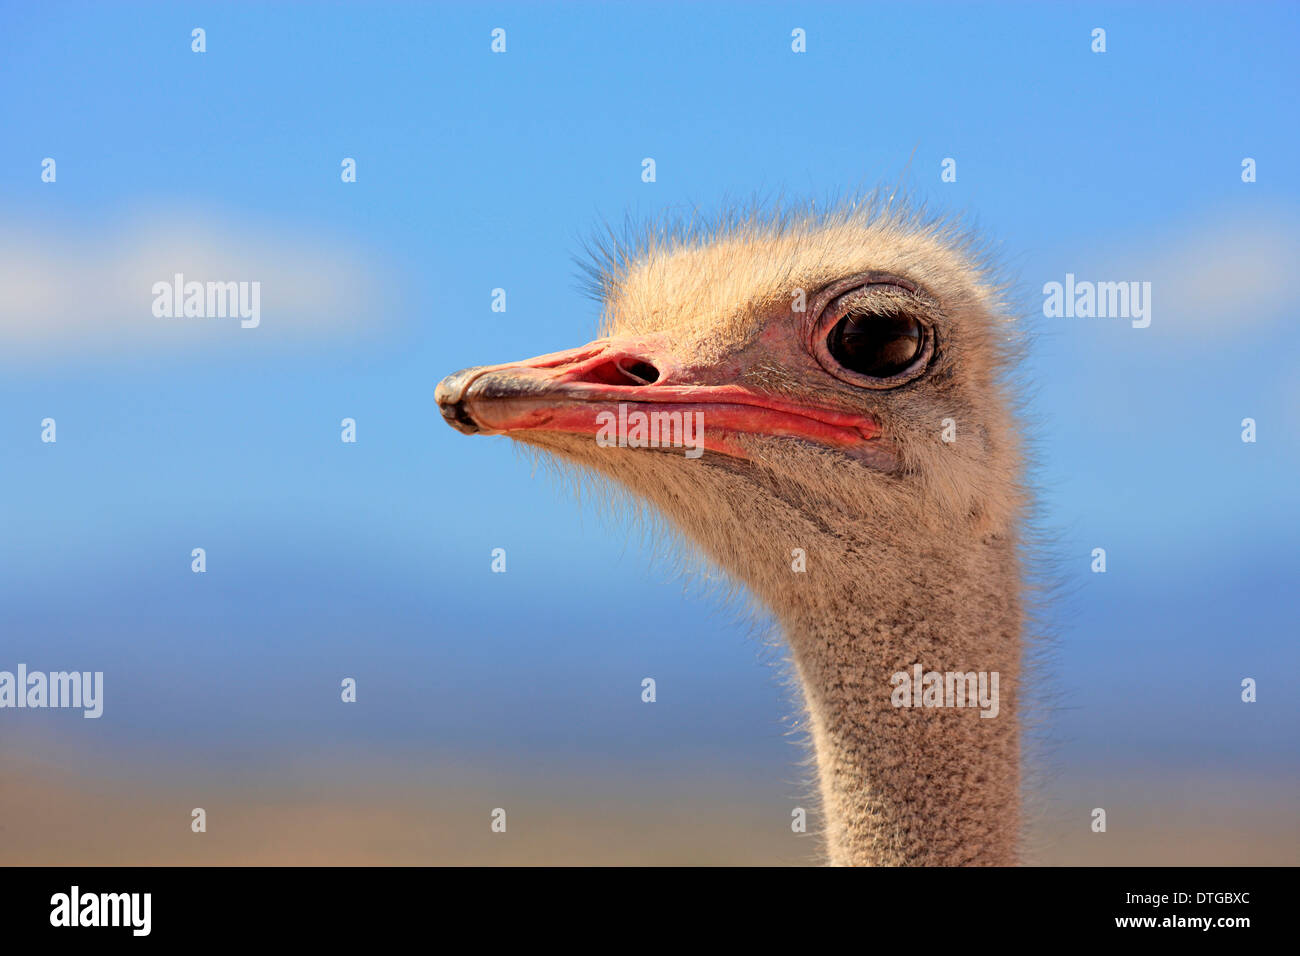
pixel 913 785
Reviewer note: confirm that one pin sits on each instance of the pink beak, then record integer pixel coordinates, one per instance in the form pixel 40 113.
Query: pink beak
pixel 568 392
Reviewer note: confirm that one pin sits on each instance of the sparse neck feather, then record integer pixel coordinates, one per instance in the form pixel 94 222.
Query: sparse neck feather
pixel 912 775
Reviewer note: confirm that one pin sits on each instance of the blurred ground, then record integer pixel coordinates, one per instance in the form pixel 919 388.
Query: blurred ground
pixel 361 811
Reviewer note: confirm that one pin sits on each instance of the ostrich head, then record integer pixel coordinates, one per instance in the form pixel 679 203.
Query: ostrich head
pixel 854 466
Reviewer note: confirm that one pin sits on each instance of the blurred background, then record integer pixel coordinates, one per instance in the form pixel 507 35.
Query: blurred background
pixel 477 171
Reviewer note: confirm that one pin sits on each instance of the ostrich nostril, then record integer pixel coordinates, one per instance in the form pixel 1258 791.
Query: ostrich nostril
pixel 624 371
pixel 643 372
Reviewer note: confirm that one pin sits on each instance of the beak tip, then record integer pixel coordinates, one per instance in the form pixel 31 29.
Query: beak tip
pixel 450 395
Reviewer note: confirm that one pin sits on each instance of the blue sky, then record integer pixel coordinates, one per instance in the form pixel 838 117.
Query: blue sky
pixel 478 171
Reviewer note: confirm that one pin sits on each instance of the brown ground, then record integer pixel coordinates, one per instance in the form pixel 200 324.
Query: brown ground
pixel 364 811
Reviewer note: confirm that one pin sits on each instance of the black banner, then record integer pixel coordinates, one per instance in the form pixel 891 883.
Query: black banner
pixel 950 908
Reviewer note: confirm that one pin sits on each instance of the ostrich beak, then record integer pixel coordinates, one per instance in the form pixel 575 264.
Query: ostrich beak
pixel 588 390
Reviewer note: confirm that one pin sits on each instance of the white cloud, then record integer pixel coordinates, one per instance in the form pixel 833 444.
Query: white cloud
pixel 64 293
pixel 1219 275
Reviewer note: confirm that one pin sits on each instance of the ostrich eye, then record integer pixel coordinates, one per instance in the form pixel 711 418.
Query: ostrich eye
pixel 874 330
pixel 878 345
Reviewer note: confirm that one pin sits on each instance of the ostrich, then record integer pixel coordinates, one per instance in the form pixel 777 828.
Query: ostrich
pixel 860 476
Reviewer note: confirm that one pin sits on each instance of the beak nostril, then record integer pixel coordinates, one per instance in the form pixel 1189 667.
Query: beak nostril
pixel 643 372
pixel 624 371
